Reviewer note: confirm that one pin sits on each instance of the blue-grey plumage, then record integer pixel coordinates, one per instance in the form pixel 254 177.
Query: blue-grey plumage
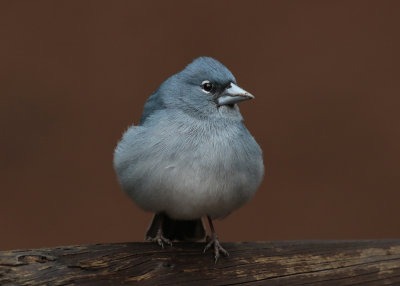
pixel 191 155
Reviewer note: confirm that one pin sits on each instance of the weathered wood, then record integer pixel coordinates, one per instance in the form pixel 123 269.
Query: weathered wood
pixel 256 263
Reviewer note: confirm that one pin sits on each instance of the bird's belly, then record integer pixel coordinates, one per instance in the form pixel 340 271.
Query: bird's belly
pixel 212 171
pixel 189 188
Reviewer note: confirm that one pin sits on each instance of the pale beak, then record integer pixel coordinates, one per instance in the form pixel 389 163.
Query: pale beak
pixel 233 94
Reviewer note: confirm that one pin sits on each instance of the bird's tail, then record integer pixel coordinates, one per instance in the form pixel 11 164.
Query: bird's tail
pixel 183 230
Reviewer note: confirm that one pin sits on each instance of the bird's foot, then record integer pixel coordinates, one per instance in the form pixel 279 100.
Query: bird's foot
pixel 160 239
pixel 213 241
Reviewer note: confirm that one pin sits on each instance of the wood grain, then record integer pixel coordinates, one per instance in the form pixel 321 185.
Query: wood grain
pixel 366 262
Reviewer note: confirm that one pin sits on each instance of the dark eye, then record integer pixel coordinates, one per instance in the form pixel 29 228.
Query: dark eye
pixel 207 86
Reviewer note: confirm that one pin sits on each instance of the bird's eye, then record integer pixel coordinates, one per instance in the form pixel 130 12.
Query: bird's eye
pixel 207 86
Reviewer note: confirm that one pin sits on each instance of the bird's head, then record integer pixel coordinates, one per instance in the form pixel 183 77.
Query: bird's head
pixel 205 86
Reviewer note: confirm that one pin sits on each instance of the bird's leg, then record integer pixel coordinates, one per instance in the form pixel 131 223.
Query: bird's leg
pixel 213 241
pixel 159 237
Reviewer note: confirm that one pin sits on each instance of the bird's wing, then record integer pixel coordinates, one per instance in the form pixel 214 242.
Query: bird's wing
pixel 153 104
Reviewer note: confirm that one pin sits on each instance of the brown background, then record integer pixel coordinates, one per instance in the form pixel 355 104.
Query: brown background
pixel 75 74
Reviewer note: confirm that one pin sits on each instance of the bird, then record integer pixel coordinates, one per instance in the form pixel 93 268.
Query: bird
pixel 191 156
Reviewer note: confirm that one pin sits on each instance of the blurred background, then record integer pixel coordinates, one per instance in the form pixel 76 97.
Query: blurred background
pixel 75 74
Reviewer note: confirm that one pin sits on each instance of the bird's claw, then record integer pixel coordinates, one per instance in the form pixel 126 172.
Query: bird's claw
pixel 160 239
pixel 213 241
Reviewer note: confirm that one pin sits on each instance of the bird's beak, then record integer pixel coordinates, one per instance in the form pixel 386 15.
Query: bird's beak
pixel 233 94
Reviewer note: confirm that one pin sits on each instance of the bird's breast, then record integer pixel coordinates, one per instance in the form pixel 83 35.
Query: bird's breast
pixel 210 169
pixel 191 170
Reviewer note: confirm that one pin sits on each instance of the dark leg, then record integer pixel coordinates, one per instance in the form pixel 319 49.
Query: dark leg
pixel 213 240
pixel 155 232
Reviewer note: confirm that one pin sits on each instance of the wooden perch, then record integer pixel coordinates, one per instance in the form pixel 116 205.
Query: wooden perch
pixel 364 262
